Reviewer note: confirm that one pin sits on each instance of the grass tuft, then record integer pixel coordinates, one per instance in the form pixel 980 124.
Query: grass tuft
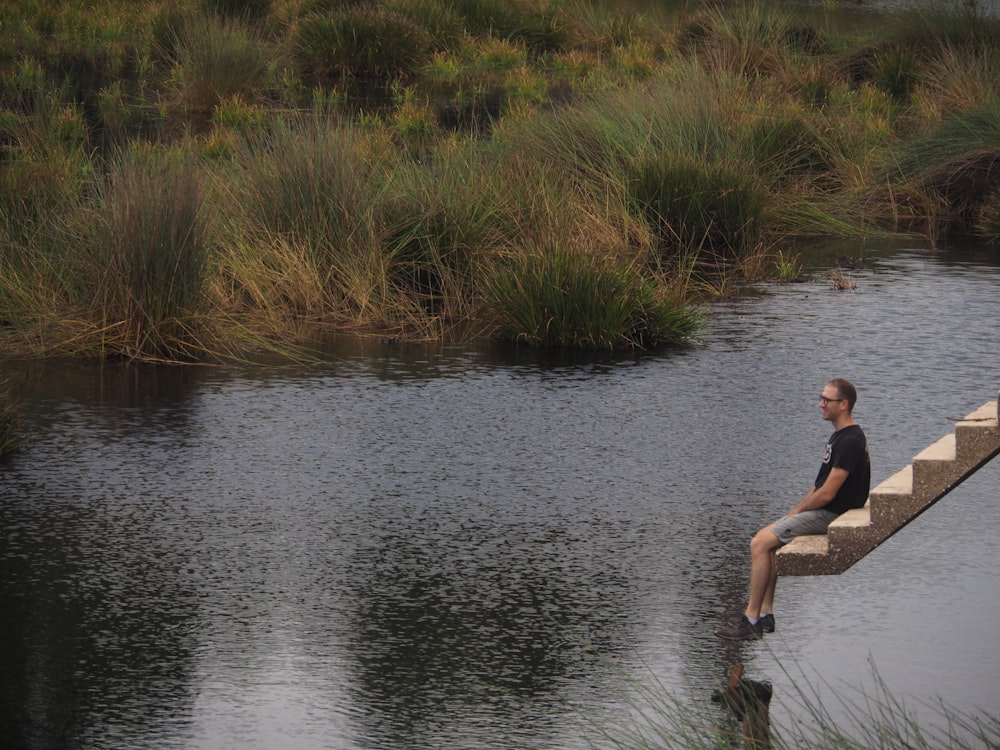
pixel 218 59
pixel 370 42
pixel 547 297
pixel 694 205
pixel 988 225
pixel 147 244
pixel 788 266
pixel 954 171
pixel 437 223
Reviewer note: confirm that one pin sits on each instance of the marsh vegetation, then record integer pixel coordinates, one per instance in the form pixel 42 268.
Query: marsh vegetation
pixel 198 179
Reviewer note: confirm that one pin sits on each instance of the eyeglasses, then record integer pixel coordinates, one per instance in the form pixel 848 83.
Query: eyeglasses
pixel 824 400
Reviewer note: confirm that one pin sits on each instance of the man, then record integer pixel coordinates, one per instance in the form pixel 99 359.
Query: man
pixel 842 483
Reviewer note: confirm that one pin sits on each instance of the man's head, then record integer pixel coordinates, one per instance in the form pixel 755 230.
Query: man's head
pixel 839 397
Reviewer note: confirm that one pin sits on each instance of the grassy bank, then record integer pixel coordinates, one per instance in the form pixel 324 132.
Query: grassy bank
pixel 195 179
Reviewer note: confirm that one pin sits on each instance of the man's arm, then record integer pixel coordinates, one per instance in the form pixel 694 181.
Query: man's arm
pixel 818 497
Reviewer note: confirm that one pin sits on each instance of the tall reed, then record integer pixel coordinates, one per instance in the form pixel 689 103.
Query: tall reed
pixel 145 241
pixel 951 172
pixel 439 220
pixel 715 208
pixel 302 239
pixel 216 59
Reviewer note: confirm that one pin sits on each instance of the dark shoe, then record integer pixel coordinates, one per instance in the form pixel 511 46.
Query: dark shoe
pixel 741 631
pixel 766 623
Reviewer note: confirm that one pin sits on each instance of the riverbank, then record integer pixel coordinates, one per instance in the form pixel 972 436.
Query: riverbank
pixel 199 180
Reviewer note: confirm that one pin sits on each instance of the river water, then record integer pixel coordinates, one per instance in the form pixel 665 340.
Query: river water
pixel 464 547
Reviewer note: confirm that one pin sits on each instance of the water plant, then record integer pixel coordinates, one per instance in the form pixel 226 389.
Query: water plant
pixel 546 296
pixel 840 280
pixel 788 266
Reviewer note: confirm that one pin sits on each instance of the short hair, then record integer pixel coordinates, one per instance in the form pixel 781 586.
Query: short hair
pixel 846 390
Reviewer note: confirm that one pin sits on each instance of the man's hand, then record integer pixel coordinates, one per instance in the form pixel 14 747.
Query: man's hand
pixel 818 497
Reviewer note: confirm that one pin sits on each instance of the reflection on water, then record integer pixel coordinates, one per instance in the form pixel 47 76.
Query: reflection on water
pixel 419 547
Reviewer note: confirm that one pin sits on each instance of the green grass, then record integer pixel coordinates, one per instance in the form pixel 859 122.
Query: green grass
pixel 989 219
pixel 436 223
pixel 313 234
pixel 787 266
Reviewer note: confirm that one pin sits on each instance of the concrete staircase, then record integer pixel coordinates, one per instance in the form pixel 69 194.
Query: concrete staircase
pixel 935 471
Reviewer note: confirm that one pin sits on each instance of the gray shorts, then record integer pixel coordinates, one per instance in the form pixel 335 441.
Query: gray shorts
pixel 801 524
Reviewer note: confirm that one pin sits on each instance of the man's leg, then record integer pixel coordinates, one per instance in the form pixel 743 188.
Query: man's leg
pixel 763 572
pixel 762 581
pixel 767 605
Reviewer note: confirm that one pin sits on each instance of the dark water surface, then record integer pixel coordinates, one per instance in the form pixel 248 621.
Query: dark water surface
pixel 413 547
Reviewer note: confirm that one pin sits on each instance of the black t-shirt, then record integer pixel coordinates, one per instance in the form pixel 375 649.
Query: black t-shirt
pixel 847 450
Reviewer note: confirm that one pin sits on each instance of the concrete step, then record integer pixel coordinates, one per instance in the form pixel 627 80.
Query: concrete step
pixel 895 502
pixel 934 467
pixel 977 433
